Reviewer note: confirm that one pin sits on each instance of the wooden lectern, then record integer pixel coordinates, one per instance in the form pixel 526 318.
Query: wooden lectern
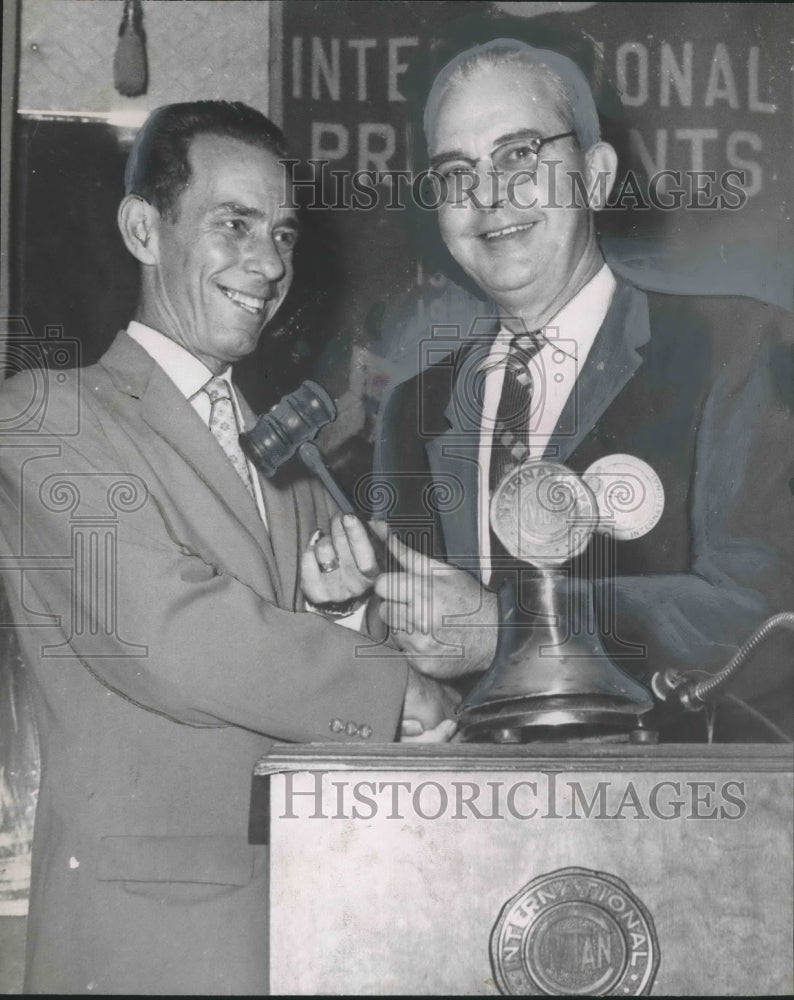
pixel 543 869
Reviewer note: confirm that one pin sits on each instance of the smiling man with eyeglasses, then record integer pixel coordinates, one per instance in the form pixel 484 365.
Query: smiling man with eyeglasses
pixel 514 161
pixel 502 135
pixel 697 388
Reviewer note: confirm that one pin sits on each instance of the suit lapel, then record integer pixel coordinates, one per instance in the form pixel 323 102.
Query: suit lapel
pixel 280 509
pixel 453 455
pixel 613 359
pixel 453 466
pixel 171 417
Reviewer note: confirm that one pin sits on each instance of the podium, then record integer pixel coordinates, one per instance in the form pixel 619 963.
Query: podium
pixel 545 869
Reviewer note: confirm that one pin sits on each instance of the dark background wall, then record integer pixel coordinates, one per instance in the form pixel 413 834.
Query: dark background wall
pixel 691 88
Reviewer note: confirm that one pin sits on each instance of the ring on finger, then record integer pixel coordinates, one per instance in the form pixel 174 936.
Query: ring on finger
pixel 329 566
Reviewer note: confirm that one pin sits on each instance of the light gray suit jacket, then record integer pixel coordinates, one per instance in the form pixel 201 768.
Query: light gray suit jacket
pixel 162 624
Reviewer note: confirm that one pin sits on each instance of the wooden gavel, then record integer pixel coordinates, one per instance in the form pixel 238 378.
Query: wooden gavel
pixel 289 428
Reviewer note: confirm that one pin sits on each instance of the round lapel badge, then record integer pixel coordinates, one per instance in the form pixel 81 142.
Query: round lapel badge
pixel 574 932
pixel 629 495
pixel 543 513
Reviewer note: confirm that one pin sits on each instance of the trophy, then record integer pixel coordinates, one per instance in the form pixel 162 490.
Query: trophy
pixel 551 678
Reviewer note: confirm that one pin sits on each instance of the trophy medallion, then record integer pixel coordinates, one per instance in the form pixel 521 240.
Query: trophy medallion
pixel 551 678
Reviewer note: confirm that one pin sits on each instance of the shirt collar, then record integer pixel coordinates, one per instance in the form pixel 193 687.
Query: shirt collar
pixel 185 370
pixel 580 319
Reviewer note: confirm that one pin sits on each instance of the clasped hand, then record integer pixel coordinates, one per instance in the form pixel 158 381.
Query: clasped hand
pixel 342 567
pixel 440 616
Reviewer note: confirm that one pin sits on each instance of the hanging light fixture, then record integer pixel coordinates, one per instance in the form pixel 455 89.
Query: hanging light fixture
pixel 130 70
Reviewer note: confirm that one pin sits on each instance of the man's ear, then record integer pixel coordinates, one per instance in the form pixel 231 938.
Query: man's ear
pixel 138 222
pixel 601 166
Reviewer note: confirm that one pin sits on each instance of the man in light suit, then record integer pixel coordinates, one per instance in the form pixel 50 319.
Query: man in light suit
pixel 160 588
pixel 698 388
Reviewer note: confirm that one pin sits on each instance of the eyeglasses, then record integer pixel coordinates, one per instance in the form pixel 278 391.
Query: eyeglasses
pixel 516 161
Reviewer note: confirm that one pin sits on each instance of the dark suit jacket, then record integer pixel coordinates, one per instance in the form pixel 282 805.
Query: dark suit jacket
pixel 701 389
pixel 162 625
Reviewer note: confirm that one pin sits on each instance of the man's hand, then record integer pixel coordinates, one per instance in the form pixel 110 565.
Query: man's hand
pixel 412 732
pixel 339 567
pixel 440 616
pixel 428 710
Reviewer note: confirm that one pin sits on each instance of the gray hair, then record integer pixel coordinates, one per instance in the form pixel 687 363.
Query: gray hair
pixel 562 72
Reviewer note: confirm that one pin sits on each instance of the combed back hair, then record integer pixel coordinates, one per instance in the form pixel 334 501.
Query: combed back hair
pixel 563 74
pixel 158 166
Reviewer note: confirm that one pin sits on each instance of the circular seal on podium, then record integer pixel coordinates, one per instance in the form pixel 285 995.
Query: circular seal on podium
pixel 574 932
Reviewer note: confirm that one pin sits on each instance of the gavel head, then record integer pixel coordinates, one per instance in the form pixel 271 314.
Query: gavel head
pixel 279 433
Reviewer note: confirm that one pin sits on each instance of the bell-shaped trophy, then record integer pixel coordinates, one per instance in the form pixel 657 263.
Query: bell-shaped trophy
pixel 551 678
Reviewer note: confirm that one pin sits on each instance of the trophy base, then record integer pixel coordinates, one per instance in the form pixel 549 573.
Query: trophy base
pixel 556 719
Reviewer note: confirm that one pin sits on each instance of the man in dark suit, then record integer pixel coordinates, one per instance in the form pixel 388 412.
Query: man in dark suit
pixel 699 389
pixel 160 587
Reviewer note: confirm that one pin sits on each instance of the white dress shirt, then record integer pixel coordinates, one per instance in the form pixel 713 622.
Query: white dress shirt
pixel 568 337
pixel 189 375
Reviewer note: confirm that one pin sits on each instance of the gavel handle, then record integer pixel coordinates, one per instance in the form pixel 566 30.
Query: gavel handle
pixel 312 458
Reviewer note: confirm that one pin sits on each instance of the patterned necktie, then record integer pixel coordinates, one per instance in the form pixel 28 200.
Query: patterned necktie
pixel 510 445
pixel 511 428
pixel 224 427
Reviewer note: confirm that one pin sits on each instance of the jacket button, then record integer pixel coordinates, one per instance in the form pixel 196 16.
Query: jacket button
pixel 351 729
pixel 336 726
pixel 365 732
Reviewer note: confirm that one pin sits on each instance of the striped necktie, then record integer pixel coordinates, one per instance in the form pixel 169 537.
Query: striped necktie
pixel 224 427
pixel 510 445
